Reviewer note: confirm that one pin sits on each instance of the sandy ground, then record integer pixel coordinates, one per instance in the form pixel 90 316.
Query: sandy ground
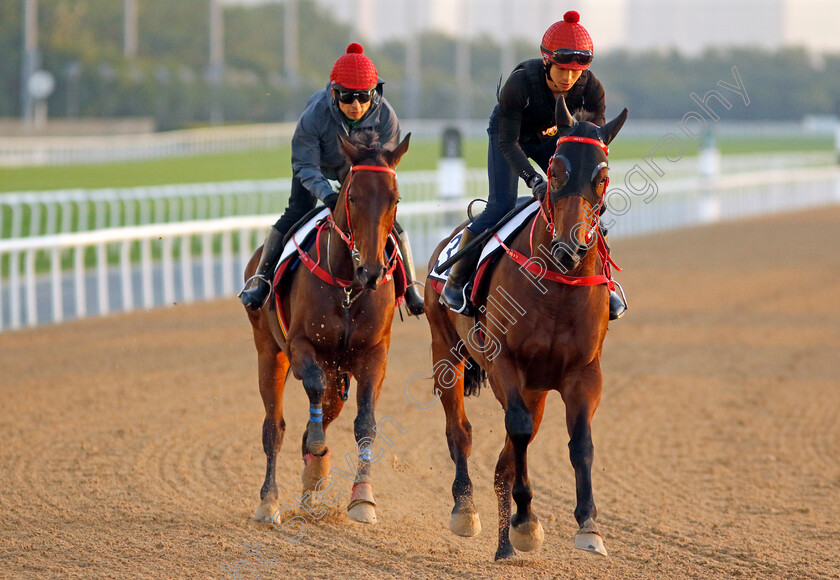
pixel 130 446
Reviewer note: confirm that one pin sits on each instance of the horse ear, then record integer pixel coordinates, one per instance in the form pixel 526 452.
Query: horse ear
pixel 562 116
pixel 611 129
pixel 351 150
pixel 395 155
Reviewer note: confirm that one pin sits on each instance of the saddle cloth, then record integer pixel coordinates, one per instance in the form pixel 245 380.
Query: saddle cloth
pixel 491 251
pixel 305 235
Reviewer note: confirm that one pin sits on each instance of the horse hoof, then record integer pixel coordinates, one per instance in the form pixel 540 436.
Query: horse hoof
pixel 316 440
pixel 590 542
pixel 363 513
pixel 528 536
pixel 314 470
pixel 362 505
pixel 465 523
pixel 265 512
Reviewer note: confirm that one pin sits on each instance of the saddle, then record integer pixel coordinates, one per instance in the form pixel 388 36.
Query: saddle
pixel 303 235
pixel 526 208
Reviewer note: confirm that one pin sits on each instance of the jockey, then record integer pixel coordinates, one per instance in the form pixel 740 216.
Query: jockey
pixel 522 126
pixel 352 106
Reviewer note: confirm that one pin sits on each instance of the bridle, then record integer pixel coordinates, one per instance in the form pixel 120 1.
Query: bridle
pixel 547 208
pixel 547 212
pixel 349 238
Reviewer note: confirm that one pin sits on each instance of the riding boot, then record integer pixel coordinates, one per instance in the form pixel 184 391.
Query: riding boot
pixel 454 294
pixel 413 300
pixel 258 286
pixel 617 304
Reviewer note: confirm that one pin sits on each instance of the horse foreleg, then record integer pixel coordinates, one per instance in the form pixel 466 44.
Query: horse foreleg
pixel 306 368
pixel 580 407
pixel 370 372
pixel 521 423
pixel 317 468
pixel 449 384
pixel 273 369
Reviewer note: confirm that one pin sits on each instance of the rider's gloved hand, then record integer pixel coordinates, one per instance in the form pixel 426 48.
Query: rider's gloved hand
pixel 538 187
pixel 331 200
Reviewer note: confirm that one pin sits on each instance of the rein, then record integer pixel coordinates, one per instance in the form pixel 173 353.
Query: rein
pixel 547 213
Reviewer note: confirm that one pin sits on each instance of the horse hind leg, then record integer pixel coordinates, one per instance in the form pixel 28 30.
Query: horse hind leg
pixel 449 382
pixel 273 370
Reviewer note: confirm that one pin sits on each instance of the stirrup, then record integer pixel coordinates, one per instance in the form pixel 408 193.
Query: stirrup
pixel 622 297
pixel 465 309
pixel 247 288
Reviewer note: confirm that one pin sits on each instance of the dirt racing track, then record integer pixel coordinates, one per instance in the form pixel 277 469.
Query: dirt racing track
pixel 130 446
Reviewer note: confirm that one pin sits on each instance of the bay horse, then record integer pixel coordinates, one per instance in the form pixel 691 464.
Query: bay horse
pixel 540 330
pixel 339 325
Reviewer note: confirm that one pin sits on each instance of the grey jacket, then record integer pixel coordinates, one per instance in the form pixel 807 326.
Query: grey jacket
pixel 316 156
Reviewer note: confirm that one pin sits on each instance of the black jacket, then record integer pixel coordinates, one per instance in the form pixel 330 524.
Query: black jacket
pixel 526 109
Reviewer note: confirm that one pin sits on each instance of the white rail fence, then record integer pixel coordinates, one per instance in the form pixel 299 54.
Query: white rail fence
pixel 29 151
pixel 47 213
pixel 74 210
pixel 48 279
pixel 45 150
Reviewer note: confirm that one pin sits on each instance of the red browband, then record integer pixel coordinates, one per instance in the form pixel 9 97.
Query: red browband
pixel 586 140
pixel 378 168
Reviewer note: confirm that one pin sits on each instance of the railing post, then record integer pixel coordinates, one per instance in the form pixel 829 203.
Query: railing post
pixel 31 303
pixel 146 269
pixel 102 278
pixel 167 272
pixel 125 276
pixel 57 293
pixel 79 279
pixel 14 290
pixel 186 269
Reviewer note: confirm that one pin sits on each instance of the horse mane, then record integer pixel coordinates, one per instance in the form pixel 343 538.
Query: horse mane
pixel 583 115
pixel 370 153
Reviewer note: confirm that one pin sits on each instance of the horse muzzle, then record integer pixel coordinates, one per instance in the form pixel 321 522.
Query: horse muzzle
pixel 369 277
pixel 568 255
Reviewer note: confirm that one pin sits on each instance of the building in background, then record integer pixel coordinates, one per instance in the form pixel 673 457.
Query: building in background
pixel 688 25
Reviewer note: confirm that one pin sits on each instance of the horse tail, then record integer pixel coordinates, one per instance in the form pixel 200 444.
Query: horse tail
pixel 474 378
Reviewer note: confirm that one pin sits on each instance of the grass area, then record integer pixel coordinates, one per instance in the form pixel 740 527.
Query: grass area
pixel 276 163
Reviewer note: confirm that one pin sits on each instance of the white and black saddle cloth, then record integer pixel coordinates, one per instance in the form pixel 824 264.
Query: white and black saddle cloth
pixel 492 248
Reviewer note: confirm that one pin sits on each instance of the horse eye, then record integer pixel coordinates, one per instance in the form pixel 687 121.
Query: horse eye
pixel 557 182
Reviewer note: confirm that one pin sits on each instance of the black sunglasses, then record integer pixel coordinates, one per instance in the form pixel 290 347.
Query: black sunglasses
pixel 348 96
pixel 569 55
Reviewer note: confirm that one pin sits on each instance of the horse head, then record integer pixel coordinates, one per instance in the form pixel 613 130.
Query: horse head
pixel 578 176
pixel 367 207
